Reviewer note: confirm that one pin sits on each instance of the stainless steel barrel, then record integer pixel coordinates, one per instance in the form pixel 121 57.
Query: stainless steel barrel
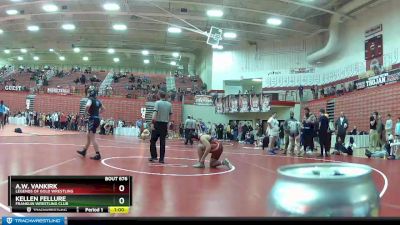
pixel 324 190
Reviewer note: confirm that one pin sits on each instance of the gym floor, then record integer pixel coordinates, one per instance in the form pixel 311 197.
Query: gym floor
pixel 174 189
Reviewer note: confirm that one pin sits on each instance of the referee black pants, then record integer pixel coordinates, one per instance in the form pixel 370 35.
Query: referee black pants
pixel 160 131
pixel 188 136
pixel 324 141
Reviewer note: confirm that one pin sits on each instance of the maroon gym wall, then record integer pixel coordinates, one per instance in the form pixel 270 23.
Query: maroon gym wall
pixel 118 108
pixel 358 105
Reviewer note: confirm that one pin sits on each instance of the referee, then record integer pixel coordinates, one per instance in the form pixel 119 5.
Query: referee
pixel 159 127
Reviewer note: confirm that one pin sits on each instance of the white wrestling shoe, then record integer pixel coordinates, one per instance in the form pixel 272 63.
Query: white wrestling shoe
pixel 199 165
pixel 227 163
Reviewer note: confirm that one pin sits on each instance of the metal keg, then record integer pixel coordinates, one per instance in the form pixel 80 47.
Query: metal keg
pixel 324 190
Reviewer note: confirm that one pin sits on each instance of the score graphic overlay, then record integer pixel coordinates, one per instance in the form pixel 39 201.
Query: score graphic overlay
pixel 74 194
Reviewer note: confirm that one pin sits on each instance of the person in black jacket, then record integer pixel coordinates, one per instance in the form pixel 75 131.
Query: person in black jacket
pixel 341 126
pixel 323 131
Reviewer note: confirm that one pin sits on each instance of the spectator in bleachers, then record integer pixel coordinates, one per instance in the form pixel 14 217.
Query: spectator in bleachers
pixel 354 131
pixel 82 79
pixel 388 126
pixel 301 92
pixel 132 79
pixel 108 90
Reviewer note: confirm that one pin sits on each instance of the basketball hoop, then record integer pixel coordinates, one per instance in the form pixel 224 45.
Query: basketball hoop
pixel 214 36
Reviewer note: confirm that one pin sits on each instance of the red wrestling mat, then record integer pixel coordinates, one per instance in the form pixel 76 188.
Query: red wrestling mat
pixel 8 131
pixel 174 188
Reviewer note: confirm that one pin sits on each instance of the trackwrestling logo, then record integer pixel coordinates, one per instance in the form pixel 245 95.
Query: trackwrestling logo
pixel 33 220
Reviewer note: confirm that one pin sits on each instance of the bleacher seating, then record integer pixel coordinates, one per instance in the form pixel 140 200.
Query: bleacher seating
pixel 120 88
pixel 67 81
pixel 21 79
pixel 185 85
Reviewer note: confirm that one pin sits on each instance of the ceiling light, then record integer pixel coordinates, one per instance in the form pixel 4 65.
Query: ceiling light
pixel 7 51
pixel 85 58
pixel 20 58
pixel 230 35
pixel 15 0
pixel 77 50
pixel 12 12
pixel 120 27
pixel 111 6
pixel 274 21
pixel 62 58
pixel 219 47
pixel 145 52
pixel 68 26
pixel 175 30
pixel 146 61
pixel 175 54
pixel 36 58
pixel 215 13
pixel 50 8
pixel 33 28
pixel 257 80
pixel 111 51
pixel 23 50
pixel 51 50
pixel 116 59
pixel 173 63
pixel 1 31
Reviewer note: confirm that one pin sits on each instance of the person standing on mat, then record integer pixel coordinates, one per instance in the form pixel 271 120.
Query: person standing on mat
pixel 308 130
pixel 208 144
pixel 2 114
pixel 273 131
pixel 93 109
pixel 189 125
pixel 159 127
pixel 341 126
pixel 323 133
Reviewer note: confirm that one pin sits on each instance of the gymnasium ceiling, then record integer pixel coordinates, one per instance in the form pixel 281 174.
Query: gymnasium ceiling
pixel 147 22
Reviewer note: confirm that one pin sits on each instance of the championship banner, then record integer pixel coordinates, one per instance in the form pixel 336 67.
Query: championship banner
pixel 374 54
pixel 219 107
pixel 59 91
pixel 373 30
pixel 203 100
pixel 226 108
pixel 234 103
pixel 255 103
pixel 244 103
pixel 265 103
pixel 13 88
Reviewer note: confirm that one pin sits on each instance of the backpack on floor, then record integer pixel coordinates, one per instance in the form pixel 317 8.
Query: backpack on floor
pixel 18 130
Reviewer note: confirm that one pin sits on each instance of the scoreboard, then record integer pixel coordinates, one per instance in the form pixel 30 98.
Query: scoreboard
pixel 70 194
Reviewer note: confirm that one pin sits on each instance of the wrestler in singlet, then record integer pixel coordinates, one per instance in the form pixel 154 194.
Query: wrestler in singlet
pixel 208 144
pixel 216 146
